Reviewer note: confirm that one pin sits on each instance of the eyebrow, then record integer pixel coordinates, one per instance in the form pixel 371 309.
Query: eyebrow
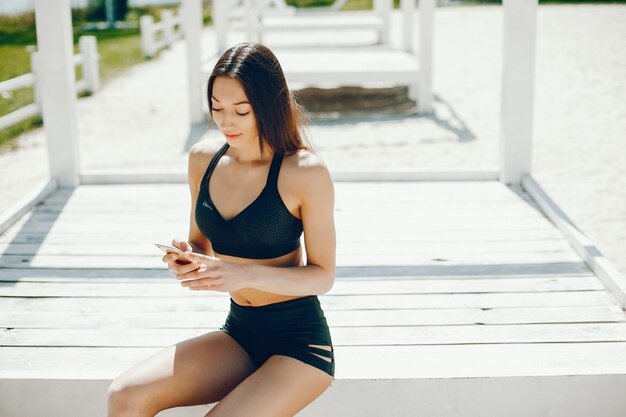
pixel 241 102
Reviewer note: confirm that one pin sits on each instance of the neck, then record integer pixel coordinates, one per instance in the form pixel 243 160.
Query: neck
pixel 251 155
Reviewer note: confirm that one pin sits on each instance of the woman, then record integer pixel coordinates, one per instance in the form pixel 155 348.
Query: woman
pixel 251 200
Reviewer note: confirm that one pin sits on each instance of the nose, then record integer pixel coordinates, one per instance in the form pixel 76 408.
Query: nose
pixel 224 119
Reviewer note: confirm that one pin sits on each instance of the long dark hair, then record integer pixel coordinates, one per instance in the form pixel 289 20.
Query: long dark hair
pixel 279 117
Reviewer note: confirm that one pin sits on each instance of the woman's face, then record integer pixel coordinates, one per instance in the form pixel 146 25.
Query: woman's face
pixel 233 114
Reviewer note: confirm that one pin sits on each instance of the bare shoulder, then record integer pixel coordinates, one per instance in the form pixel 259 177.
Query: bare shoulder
pixel 200 156
pixel 306 165
pixel 307 171
pixel 204 149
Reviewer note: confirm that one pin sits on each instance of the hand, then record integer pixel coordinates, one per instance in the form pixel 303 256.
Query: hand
pixel 178 264
pixel 213 274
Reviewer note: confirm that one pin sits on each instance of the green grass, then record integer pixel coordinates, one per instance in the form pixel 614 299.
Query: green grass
pixel 19 63
pixel 118 49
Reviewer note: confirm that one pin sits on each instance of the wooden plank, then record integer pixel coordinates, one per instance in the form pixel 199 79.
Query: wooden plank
pixel 384 362
pixel 342 336
pixel 346 248
pixel 343 21
pixel 381 174
pixel 478 211
pixel 344 222
pixel 525 269
pixel 336 318
pixel 214 301
pixel 343 273
pixel 344 66
pixel 349 192
pixel 15 236
pixel 164 288
pixel 385 258
pixel 391 236
pixel 152 205
pixel 564 395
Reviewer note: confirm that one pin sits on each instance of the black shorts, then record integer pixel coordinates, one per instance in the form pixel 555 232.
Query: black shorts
pixel 283 328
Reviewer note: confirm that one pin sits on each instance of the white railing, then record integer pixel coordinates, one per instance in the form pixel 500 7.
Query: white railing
pixel 88 59
pixel 151 43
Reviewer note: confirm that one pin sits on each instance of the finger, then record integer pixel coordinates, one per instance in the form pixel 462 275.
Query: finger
pixel 204 282
pixel 200 273
pixel 203 287
pixel 174 261
pixel 186 268
pixel 169 258
pixel 189 267
pixel 181 244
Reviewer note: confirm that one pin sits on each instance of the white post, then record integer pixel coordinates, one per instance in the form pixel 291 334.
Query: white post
pixel 180 32
pixel 146 23
pixel 253 24
pixel 192 21
pixel 58 89
pixel 220 23
pixel 408 7
pixel 89 50
pixel 168 27
pixel 518 69
pixel 383 9
pixel 425 95
pixel 34 68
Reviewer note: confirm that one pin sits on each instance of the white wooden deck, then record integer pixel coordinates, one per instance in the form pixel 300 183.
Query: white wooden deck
pixel 451 299
pixel 375 66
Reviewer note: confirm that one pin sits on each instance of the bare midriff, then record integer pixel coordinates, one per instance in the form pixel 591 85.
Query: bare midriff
pixel 254 297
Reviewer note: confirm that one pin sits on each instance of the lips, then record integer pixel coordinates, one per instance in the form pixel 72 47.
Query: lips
pixel 229 136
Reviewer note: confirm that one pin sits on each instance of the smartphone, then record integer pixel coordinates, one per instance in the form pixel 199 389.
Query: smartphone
pixel 172 249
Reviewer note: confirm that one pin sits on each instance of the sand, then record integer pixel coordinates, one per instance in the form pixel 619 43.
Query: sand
pixel 140 121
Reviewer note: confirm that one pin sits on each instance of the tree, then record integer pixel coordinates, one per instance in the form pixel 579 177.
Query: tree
pixel 98 11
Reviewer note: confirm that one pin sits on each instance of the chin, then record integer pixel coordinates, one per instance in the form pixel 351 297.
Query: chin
pixel 242 142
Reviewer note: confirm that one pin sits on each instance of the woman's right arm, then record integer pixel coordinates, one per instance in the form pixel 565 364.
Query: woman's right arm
pixel 199 158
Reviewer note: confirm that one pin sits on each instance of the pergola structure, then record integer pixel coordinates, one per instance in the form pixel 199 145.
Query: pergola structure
pixel 59 101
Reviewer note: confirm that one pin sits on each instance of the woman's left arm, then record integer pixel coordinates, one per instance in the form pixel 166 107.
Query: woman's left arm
pixel 317 277
pixel 317 211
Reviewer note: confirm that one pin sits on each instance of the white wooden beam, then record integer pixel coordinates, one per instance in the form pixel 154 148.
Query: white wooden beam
pixel 424 99
pixel 408 15
pixel 612 279
pixel 518 69
pixel 58 88
pixel 220 16
pixel 192 23
pixel 15 212
pixel 444 174
pixel 383 9
pixel 91 73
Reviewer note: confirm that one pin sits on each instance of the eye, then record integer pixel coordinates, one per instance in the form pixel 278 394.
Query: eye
pixel 243 114
pixel 214 109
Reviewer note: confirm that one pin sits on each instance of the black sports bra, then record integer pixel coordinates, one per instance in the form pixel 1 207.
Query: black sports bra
pixel 265 229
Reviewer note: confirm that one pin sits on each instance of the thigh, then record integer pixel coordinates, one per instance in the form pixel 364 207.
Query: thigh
pixel 201 370
pixel 281 387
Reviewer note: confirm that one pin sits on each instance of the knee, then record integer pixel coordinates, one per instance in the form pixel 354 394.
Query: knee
pixel 127 402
